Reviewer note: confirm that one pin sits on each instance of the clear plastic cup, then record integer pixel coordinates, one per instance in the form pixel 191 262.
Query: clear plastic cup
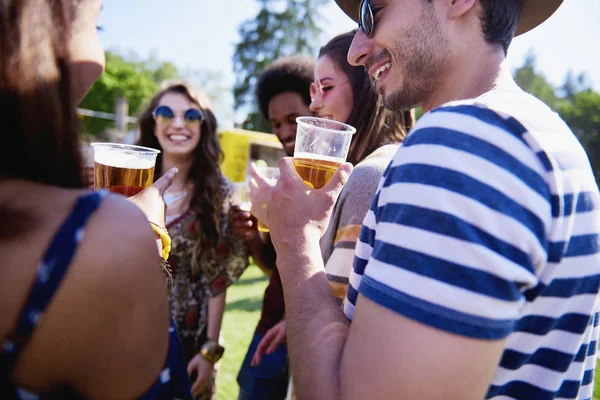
pixel 321 147
pixel 123 168
pixel 271 175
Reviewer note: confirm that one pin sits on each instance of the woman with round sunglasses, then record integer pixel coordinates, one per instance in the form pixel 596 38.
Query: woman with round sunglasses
pixel 205 256
pixel 345 93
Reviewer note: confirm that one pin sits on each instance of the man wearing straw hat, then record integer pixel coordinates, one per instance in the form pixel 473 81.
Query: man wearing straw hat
pixel 477 271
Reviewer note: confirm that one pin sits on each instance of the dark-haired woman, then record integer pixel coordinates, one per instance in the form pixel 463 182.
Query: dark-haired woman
pixel 82 295
pixel 205 255
pixel 345 93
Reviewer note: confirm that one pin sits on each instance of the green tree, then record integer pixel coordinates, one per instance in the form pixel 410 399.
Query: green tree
pixel 120 79
pixel 159 71
pixel 137 81
pixel 574 100
pixel 268 36
pixel 583 116
pixel 574 85
pixel 535 83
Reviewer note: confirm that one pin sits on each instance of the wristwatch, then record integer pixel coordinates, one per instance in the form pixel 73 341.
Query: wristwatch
pixel 211 351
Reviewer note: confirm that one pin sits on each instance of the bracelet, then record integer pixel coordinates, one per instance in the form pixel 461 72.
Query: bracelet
pixel 164 238
pixel 211 351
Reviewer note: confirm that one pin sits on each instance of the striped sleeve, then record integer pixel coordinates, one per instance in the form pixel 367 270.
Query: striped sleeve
pixel 458 230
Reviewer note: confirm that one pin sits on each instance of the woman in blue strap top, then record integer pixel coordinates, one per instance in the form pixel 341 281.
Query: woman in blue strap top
pixel 82 296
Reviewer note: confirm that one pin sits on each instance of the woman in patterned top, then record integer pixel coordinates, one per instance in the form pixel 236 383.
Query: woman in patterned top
pixel 205 257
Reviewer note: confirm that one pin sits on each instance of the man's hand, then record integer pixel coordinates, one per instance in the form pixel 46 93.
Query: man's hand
pixel 204 369
pixel 297 211
pixel 269 343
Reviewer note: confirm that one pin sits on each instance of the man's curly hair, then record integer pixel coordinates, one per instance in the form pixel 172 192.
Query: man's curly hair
pixel 286 74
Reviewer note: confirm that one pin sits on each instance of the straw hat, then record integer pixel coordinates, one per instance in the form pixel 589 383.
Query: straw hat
pixel 533 14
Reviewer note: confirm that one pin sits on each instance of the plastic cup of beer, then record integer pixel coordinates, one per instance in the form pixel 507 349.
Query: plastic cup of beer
pixel 87 156
pixel 122 168
pixel 270 174
pixel 321 147
pixel 241 196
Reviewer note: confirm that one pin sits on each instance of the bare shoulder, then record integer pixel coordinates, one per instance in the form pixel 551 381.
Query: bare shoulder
pixel 119 242
pixel 108 323
pixel 130 295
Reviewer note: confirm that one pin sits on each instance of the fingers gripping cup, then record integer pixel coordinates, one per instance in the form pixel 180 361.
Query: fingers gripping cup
pixel 321 147
pixel 123 168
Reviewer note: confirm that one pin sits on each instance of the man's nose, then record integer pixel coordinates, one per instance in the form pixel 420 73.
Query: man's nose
pixel 360 48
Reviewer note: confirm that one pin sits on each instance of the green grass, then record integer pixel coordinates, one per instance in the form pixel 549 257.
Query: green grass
pixel 597 382
pixel 244 302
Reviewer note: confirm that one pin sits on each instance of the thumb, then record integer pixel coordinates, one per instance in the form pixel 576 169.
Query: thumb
pixel 165 181
pixel 339 179
pixel 190 368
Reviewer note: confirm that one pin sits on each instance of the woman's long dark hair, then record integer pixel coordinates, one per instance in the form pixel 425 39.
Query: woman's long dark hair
pixel 205 173
pixel 37 115
pixel 375 125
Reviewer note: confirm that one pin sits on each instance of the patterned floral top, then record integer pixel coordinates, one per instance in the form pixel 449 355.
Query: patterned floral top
pixel 219 268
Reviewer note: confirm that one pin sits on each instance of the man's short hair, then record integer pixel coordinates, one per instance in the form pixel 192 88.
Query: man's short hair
pixel 499 20
pixel 287 74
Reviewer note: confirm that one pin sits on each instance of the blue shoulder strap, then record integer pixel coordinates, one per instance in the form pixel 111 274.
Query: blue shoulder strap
pixel 50 272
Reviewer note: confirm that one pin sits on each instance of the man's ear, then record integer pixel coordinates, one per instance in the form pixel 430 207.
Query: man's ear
pixel 458 8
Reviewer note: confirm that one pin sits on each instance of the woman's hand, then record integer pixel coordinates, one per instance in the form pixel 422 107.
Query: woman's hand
pixel 269 343
pixel 152 204
pixel 204 370
pixel 150 200
pixel 244 224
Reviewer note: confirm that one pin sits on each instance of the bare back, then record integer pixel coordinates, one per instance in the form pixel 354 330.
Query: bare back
pixel 104 332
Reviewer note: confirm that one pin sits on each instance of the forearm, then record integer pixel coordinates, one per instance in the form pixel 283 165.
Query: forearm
pixel 316 328
pixel 216 308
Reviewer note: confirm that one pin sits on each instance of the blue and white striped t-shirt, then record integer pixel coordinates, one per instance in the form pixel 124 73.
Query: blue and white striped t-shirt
pixel 486 225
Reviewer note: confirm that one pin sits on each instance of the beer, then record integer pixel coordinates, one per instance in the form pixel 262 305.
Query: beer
pixel 316 172
pixel 262 227
pixel 125 174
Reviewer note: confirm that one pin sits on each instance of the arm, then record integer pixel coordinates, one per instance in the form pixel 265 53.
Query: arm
pixel 216 308
pixel 337 245
pixel 263 253
pixel 245 228
pixel 265 257
pixel 204 368
pixel 463 302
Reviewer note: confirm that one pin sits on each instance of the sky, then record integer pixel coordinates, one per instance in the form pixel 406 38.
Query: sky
pixel 201 35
